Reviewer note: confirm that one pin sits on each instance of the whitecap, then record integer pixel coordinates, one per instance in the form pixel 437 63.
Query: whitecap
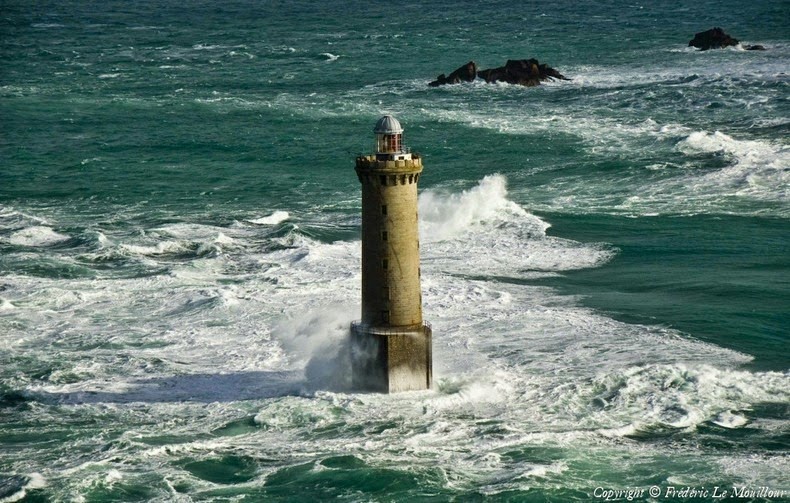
pixel 273 219
pixel 161 248
pixel 113 476
pixel 503 237
pixel 757 168
pixel 728 419
pixel 207 47
pixel 22 484
pixel 680 396
pixel 444 216
pixel 35 236
pixel 543 471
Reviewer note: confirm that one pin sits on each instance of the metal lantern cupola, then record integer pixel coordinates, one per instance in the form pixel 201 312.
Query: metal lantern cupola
pixel 389 139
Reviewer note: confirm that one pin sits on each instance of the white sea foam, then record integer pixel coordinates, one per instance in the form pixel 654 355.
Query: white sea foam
pixel 33 480
pixel 37 481
pixel 758 168
pixel 757 470
pixel 180 239
pixel 318 340
pixel 275 218
pixel 36 236
pixel 542 471
pixel 257 333
pixel 444 216
pixel 161 248
pixel 728 419
pixel 680 396
pixel 503 237
pixel 11 218
pixel 754 170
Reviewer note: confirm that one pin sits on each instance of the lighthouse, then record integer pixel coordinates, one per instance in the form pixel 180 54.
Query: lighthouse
pixel 390 344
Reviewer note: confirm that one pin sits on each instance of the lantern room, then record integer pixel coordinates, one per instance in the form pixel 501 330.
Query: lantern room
pixel 389 140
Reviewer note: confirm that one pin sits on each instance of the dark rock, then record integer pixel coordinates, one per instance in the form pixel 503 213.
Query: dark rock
pixel 755 48
pixel 466 73
pixel 715 38
pixel 524 72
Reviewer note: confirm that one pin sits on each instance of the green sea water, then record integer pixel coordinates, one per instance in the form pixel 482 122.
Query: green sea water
pixel 604 260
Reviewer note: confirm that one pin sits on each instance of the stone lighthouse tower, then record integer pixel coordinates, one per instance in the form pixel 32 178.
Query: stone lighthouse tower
pixel 391 345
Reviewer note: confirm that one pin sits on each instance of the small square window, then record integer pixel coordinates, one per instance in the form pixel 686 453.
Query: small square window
pixel 383 209
pixel 385 264
pixel 384 235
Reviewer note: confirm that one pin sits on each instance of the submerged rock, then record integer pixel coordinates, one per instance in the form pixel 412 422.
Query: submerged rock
pixel 525 72
pixel 715 38
pixel 465 73
pixel 755 47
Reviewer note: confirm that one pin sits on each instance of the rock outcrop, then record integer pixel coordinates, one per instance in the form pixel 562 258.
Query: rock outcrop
pixel 524 72
pixel 715 38
pixel 466 73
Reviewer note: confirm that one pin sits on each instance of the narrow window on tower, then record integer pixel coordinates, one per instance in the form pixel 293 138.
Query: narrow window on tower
pixel 383 179
pixel 385 293
pixel 385 316
pixel 384 235
pixel 385 264
pixel 384 209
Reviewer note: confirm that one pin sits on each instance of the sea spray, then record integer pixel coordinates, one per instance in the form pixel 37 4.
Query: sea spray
pixel 505 238
pixel 319 340
pixel 446 215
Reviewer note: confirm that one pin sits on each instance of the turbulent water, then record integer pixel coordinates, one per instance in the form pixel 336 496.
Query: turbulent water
pixel 604 260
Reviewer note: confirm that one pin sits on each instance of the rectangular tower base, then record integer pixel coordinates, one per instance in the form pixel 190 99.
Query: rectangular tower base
pixel 387 360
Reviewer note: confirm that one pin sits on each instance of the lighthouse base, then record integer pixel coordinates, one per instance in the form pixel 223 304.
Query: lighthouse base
pixel 388 360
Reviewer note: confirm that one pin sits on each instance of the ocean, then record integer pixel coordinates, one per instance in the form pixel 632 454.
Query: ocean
pixel 604 260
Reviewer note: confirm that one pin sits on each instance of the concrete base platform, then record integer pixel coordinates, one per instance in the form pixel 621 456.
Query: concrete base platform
pixel 387 360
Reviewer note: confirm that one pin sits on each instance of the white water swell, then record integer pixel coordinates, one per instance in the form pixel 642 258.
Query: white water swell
pixel 239 352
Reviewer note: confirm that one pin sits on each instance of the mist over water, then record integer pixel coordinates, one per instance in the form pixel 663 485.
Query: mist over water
pixel 603 259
